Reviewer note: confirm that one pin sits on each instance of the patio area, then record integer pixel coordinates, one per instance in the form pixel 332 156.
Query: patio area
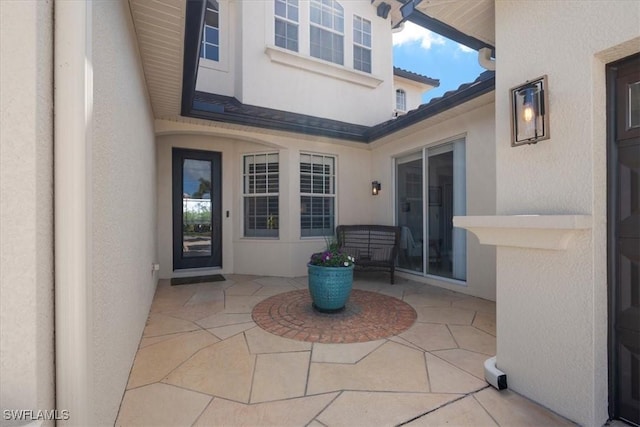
pixel 203 361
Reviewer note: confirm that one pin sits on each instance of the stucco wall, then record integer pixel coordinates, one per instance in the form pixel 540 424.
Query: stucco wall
pixel 123 206
pixel 477 128
pixel 26 206
pixel 287 255
pixel 552 305
pixel 302 85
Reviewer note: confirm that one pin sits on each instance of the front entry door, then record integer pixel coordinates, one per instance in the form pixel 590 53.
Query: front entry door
pixel 624 240
pixel 197 225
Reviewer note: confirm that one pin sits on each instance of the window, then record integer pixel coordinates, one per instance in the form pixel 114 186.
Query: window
pixel 286 22
pixel 401 100
pixel 211 33
pixel 317 195
pixel 261 176
pixel 327 30
pixel 361 44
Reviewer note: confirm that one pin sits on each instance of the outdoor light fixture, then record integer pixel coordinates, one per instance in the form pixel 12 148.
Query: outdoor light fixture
pixel 375 188
pixel 529 115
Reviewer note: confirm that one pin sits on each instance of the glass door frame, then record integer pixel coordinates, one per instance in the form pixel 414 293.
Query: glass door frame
pixel 180 262
pixel 459 158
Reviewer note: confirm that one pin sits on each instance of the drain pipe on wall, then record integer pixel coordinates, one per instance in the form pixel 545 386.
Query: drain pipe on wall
pixel 73 101
pixel 492 374
pixel 484 59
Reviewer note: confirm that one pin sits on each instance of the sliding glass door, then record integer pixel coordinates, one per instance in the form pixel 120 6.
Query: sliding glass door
pixel 430 190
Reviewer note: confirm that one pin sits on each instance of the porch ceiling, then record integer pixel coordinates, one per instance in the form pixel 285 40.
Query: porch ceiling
pixel 159 28
pixel 475 18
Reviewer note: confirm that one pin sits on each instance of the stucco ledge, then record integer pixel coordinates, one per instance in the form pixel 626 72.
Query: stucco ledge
pixel 551 232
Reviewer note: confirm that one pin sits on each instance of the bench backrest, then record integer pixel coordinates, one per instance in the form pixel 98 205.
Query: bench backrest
pixel 376 242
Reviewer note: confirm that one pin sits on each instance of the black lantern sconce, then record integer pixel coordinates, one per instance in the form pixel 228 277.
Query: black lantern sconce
pixel 375 188
pixel 529 112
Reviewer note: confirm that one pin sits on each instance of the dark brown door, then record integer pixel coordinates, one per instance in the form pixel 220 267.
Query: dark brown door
pixel 197 188
pixel 624 240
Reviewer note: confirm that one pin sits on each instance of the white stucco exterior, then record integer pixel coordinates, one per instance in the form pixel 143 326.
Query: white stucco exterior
pixel 256 72
pixel 26 206
pixel 123 205
pixel 552 305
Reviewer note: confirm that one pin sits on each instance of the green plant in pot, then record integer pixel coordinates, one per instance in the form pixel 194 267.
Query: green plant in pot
pixel 330 278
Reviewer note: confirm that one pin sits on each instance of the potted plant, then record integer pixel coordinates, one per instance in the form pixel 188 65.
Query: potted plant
pixel 330 278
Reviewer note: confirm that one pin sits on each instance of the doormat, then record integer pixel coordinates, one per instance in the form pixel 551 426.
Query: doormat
pixel 197 279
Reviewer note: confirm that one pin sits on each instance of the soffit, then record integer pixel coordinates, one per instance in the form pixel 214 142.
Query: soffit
pixel 159 27
pixel 475 18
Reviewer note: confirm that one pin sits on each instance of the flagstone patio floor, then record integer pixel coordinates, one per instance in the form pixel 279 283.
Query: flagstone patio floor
pixel 202 361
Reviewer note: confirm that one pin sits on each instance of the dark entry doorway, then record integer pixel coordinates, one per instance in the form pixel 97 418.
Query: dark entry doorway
pixel 197 225
pixel 623 88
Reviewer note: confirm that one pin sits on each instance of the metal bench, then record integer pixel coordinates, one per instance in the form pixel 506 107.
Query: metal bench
pixel 372 246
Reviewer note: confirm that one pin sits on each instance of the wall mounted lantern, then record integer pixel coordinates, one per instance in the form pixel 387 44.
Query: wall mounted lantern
pixel 375 188
pixel 529 112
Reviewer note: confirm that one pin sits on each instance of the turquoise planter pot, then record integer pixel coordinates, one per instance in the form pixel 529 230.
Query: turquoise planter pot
pixel 330 287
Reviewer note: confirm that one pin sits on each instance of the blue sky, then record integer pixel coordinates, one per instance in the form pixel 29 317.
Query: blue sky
pixel 421 51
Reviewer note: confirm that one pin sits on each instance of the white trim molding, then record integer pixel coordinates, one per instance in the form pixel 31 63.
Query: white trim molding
pixel 551 232
pixel 318 66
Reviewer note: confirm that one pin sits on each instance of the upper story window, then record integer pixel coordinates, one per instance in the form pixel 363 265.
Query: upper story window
pixel 286 22
pixel 327 30
pixel 261 191
pixel 361 44
pixel 211 34
pixel 317 195
pixel 401 100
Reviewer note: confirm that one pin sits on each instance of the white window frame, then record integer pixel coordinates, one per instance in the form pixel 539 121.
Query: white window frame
pixel 401 100
pixel 270 231
pixel 205 43
pixel 332 194
pixel 336 11
pixel 287 20
pixel 361 34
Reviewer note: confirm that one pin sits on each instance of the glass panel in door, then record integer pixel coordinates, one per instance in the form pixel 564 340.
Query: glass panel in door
pixel 409 207
pixel 446 194
pixel 196 208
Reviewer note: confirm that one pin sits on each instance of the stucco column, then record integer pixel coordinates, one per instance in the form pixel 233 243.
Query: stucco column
pixel 73 100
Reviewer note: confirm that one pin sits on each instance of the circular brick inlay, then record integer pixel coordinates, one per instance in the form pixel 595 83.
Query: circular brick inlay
pixel 368 316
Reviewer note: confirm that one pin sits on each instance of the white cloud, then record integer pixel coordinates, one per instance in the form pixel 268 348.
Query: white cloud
pixel 413 33
pixel 465 49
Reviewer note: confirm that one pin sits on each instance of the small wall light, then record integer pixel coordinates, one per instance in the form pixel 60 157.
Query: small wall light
pixel 375 188
pixel 529 115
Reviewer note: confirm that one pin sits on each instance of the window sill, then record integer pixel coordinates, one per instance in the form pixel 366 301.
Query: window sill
pixel 551 232
pixel 318 66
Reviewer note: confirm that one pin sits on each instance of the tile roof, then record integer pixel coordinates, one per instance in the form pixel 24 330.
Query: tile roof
pixel 400 72
pixel 228 109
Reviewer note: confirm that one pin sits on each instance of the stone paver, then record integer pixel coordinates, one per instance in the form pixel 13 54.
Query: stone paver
pixel 203 361
pixel 368 316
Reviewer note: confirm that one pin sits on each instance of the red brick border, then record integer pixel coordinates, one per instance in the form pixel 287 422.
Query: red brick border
pixel 368 316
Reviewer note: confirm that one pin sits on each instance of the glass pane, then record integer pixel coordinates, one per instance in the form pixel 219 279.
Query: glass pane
pixel 280 8
pixel 440 215
pixel 409 213
pixel 196 208
pixel 211 35
pixel 211 18
pixel 634 105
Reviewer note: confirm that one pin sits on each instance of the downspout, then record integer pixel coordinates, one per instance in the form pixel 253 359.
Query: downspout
pixel 73 101
pixel 484 59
